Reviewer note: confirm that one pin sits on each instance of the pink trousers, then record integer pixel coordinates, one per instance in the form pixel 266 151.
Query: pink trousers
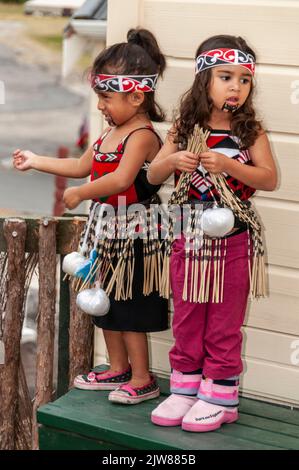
pixel 208 335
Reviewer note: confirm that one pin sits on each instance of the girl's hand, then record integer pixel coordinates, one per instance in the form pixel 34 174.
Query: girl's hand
pixel 185 161
pixel 213 162
pixel 23 159
pixel 71 197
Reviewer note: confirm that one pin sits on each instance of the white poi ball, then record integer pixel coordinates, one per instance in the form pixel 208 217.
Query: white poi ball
pixel 93 301
pixel 218 221
pixel 71 262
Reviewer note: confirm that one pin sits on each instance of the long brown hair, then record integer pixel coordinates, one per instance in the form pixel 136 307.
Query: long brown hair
pixel 141 55
pixel 196 105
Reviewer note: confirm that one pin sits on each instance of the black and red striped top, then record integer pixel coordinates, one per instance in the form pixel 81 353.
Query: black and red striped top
pixel 104 163
pixel 221 141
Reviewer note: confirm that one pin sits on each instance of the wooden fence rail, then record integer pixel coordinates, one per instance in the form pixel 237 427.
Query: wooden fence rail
pixel 48 237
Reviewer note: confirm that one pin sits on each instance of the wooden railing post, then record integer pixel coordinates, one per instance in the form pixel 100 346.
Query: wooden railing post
pixel 15 236
pixel 81 328
pixel 45 319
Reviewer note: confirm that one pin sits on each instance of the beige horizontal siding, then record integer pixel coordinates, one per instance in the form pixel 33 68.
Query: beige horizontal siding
pixel 279 346
pixel 286 152
pixel 281 222
pixel 122 17
pixel 275 98
pixel 271 27
pixel 279 311
pixel 271 381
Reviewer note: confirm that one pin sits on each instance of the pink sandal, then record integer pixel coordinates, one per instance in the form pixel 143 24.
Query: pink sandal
pixel 103 380
pixel 128 395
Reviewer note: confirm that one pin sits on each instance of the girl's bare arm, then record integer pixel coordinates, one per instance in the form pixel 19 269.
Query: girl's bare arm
pixel 70 167
pixel 261 175
pixel 170 159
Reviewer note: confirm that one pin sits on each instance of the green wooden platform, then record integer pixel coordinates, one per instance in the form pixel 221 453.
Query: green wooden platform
pixel 86 420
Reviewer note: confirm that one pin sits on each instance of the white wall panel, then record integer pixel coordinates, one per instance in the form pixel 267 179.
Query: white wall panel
pixel 271 27
pixel 270 381
pixel 285 148
pixel 281 222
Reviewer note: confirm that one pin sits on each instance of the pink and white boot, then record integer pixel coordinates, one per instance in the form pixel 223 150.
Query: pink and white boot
pixel 217 404
pixel 172 410
pixel 204 416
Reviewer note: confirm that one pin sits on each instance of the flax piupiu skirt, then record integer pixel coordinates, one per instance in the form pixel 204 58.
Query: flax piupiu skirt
pixel 143 314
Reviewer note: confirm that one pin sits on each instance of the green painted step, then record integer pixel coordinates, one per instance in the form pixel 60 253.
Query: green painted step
pixel 87 420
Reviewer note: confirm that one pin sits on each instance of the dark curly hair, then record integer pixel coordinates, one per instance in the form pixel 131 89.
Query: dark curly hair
pixel 141 55
pixel 196 105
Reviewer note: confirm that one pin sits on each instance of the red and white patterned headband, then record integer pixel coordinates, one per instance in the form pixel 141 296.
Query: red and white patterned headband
pixel 124 83
pixel 222 56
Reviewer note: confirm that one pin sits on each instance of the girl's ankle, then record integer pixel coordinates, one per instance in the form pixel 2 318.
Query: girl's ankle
pixel 118 367
pixel 140 381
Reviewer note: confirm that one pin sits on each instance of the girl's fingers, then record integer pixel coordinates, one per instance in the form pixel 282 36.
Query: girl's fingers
pixel 205 158
pixel 206 154
pixel 193 158
pixel 188 169
pixel 191 165
pixel 190 160
pixel 190 156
